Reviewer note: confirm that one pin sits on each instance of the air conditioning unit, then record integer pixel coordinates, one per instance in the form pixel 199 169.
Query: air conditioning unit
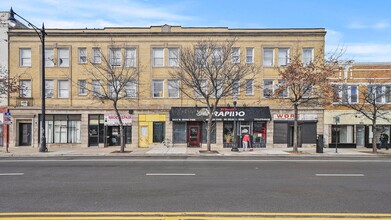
pixel 24 103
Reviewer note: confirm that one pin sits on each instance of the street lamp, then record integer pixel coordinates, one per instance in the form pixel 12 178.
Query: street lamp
pixel 336 133
pixel 235 146
pixel 41 34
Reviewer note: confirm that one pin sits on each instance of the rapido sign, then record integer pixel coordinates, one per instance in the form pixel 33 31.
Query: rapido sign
pixel 112 120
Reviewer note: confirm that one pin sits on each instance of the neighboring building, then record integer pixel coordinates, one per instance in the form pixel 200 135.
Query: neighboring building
pixel 159 110
pixel 353 129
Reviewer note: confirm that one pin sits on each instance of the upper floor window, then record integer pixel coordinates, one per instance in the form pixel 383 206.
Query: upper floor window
pixel 82 55
pixel 115 57
pixel 249 87
pixel 173 88
pixel 249 55
pixel 96 55
pixel 158 88
pixel 49 57
pixel 203 87
pixel 308 55
pixel 158 56
pixel 282 93
pixel 173 56
pixel 236 88
pixel 217 56
pixel 381 93
pixel 268 57
pixel 131 89
pixel 217 89
pixel 25 57
pixel 49 88
pixel 114 87
pixel 63 89
pixel 283 56
pixel 82 87
pixel 345 93
pixel 268 88
pixel 235 55
pixel 200 57
pixel 130 57
pixel 25 88
pixel 96 88
pixel 63 57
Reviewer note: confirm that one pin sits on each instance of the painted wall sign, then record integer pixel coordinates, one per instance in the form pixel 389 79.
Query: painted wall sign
pixel 291 116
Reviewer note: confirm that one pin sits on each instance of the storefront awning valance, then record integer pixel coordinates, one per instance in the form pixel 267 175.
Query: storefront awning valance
pixel 221 114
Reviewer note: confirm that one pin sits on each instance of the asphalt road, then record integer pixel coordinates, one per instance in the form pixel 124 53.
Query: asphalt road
pixel 352 185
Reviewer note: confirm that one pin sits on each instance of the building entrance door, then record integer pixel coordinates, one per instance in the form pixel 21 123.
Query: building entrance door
pixel 24 134
pixel 194 136
pixel 144 136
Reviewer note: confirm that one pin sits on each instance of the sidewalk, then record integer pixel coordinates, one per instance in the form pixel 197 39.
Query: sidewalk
pixel 184 151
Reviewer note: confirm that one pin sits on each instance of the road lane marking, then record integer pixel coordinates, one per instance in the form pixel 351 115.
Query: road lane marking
pixel 170 174
pixel 11 174
pixel 340 174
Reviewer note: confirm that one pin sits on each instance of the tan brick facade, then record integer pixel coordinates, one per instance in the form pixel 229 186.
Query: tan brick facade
pixel 26 110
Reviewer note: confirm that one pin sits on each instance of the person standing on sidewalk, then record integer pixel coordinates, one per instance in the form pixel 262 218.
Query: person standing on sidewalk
pixel 383 140
pixel 246 140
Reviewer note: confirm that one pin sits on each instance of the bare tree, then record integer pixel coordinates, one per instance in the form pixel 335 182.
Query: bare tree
pixel 372 102
pixel 307 82
pixel 112 82
pixel 208 72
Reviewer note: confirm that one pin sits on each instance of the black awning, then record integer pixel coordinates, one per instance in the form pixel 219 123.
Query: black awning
pixel 221 114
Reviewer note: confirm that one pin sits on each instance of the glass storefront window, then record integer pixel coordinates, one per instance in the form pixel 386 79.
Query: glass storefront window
pixel 342 134
pixel 158 132
pixel 62 128
pixel 212 134
pixel 179 132
pixel 228 132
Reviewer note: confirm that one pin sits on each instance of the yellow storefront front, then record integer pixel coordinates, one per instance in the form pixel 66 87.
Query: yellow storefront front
pixel 152 129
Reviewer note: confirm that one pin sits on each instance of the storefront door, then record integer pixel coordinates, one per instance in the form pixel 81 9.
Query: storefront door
pixel 144 136
pixel 360 135
pixel 194 136
pixel 113 135
pixel 24 134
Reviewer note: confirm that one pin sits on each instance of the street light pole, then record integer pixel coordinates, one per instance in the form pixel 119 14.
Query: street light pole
pixel 235 146
pixel 41 34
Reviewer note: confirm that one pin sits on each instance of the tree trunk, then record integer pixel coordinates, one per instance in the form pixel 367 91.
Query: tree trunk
pixel 121 128
pixel 374 133
pixel 208 132
pixel 295 129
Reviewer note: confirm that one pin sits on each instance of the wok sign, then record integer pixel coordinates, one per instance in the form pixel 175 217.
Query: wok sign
pixel 112 120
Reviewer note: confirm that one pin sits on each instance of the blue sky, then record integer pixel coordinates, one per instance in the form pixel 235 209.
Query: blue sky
pixel 362 28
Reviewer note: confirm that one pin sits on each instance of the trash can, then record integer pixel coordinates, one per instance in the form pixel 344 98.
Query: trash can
pixel 319 144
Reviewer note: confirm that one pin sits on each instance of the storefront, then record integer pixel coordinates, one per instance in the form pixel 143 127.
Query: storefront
pixel 189 125
pixel 353 129
pixel 283 129
pixel 105 129
pixel 152 129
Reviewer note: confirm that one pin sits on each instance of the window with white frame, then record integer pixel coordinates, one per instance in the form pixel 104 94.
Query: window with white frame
pixel 307 90
pixel 201 57
pixel 114 88
pixel 217 56
pixel 49 88
pixel 63 57
pixel 249 87
pixel 268 88
pixel 308 55
pixel 217 89
pixel 345 93
pixel 96 55
pixel 235 55
pixel 158 88
pixel 173 88
pixel 115 56
pixel 25 56
pixel 96 88
pixel 249 55
pixel 131 89
pixel 268 57
pixel 284 92
pixel 63 128
pixel 49 57
pixel 173 57
pixel 63 89
pixel 203 87
pixel 381 93
pixel 130 57
pixel 25 88
pixel 158 57
pixel 82 87
pixel 82 55
pixel 236 88
pixel 283 56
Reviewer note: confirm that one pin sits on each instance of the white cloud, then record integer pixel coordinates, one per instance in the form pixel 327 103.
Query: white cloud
pixel 365 52
pixel 381 25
